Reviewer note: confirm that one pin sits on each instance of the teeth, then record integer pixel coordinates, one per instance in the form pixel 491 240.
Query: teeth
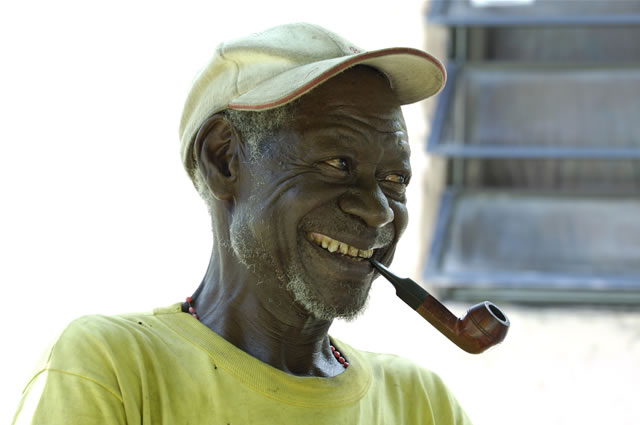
pixel 365 254
pixel 333 245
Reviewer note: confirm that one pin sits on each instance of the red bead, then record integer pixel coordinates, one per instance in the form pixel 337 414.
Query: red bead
pixel 345 364
pixel 337 354
pixel 341 359
pixel 192 310
pixel 189 299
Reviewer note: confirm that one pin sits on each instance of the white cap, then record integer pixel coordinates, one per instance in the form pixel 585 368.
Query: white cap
pixel 274 67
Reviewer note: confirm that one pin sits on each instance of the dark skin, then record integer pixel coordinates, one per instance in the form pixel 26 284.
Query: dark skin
pixel 339 168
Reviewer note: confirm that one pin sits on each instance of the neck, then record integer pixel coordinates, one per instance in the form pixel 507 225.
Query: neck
pixel 260 317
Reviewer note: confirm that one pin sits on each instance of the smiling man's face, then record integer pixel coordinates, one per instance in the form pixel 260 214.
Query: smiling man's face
pixel 327 193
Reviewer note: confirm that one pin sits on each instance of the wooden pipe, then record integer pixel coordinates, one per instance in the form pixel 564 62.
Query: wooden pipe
pixel 482 326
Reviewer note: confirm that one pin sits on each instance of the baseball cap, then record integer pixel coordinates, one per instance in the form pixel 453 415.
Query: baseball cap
pixel 272 68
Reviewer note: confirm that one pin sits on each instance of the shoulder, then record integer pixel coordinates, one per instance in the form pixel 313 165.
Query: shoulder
pixel 401 370
pixel 95 330
pixel 409 384
pixel 81 375
pixel 100 338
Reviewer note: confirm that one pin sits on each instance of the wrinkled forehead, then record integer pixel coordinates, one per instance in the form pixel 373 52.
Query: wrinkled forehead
pixel 356 113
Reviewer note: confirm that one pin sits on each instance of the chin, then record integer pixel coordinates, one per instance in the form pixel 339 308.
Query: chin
pixel 346 300
pixel 354 313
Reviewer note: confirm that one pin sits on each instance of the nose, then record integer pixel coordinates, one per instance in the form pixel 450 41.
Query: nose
pixel 369 204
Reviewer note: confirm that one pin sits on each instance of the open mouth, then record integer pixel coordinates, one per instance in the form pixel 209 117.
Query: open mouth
pixel 339 247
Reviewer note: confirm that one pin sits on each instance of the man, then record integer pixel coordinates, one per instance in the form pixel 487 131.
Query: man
pixel 295 139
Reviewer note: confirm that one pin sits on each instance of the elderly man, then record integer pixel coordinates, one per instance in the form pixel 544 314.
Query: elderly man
pixel 295 139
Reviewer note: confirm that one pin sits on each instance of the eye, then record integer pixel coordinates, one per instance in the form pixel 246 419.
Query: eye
pixel 338 163
pixel 396 183
pixel 396 178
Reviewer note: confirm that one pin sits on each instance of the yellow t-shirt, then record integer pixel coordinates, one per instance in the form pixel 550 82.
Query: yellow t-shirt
pixel 166 367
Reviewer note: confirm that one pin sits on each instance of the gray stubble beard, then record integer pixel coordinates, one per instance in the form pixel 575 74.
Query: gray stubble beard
pixel 304 296
pixel 250 251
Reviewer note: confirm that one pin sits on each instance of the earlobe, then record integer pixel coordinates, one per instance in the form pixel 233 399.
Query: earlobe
pixel 216 151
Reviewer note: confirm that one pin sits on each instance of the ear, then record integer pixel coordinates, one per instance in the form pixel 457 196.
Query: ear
pixel 216 150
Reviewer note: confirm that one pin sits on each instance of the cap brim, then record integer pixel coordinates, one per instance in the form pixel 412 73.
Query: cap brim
pixel 414 75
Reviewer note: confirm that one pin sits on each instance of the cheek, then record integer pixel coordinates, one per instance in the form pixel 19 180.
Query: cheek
pixel 401 218
pixel 278 211
pixel 306 194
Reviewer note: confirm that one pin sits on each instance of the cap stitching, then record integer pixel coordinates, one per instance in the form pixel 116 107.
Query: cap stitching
pixel 235 64
pixel 331 36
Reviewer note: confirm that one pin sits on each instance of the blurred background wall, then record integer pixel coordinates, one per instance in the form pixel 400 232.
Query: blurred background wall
pixel 99 217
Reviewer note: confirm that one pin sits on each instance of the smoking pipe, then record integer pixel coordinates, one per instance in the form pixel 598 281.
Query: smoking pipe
pixel 481 327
